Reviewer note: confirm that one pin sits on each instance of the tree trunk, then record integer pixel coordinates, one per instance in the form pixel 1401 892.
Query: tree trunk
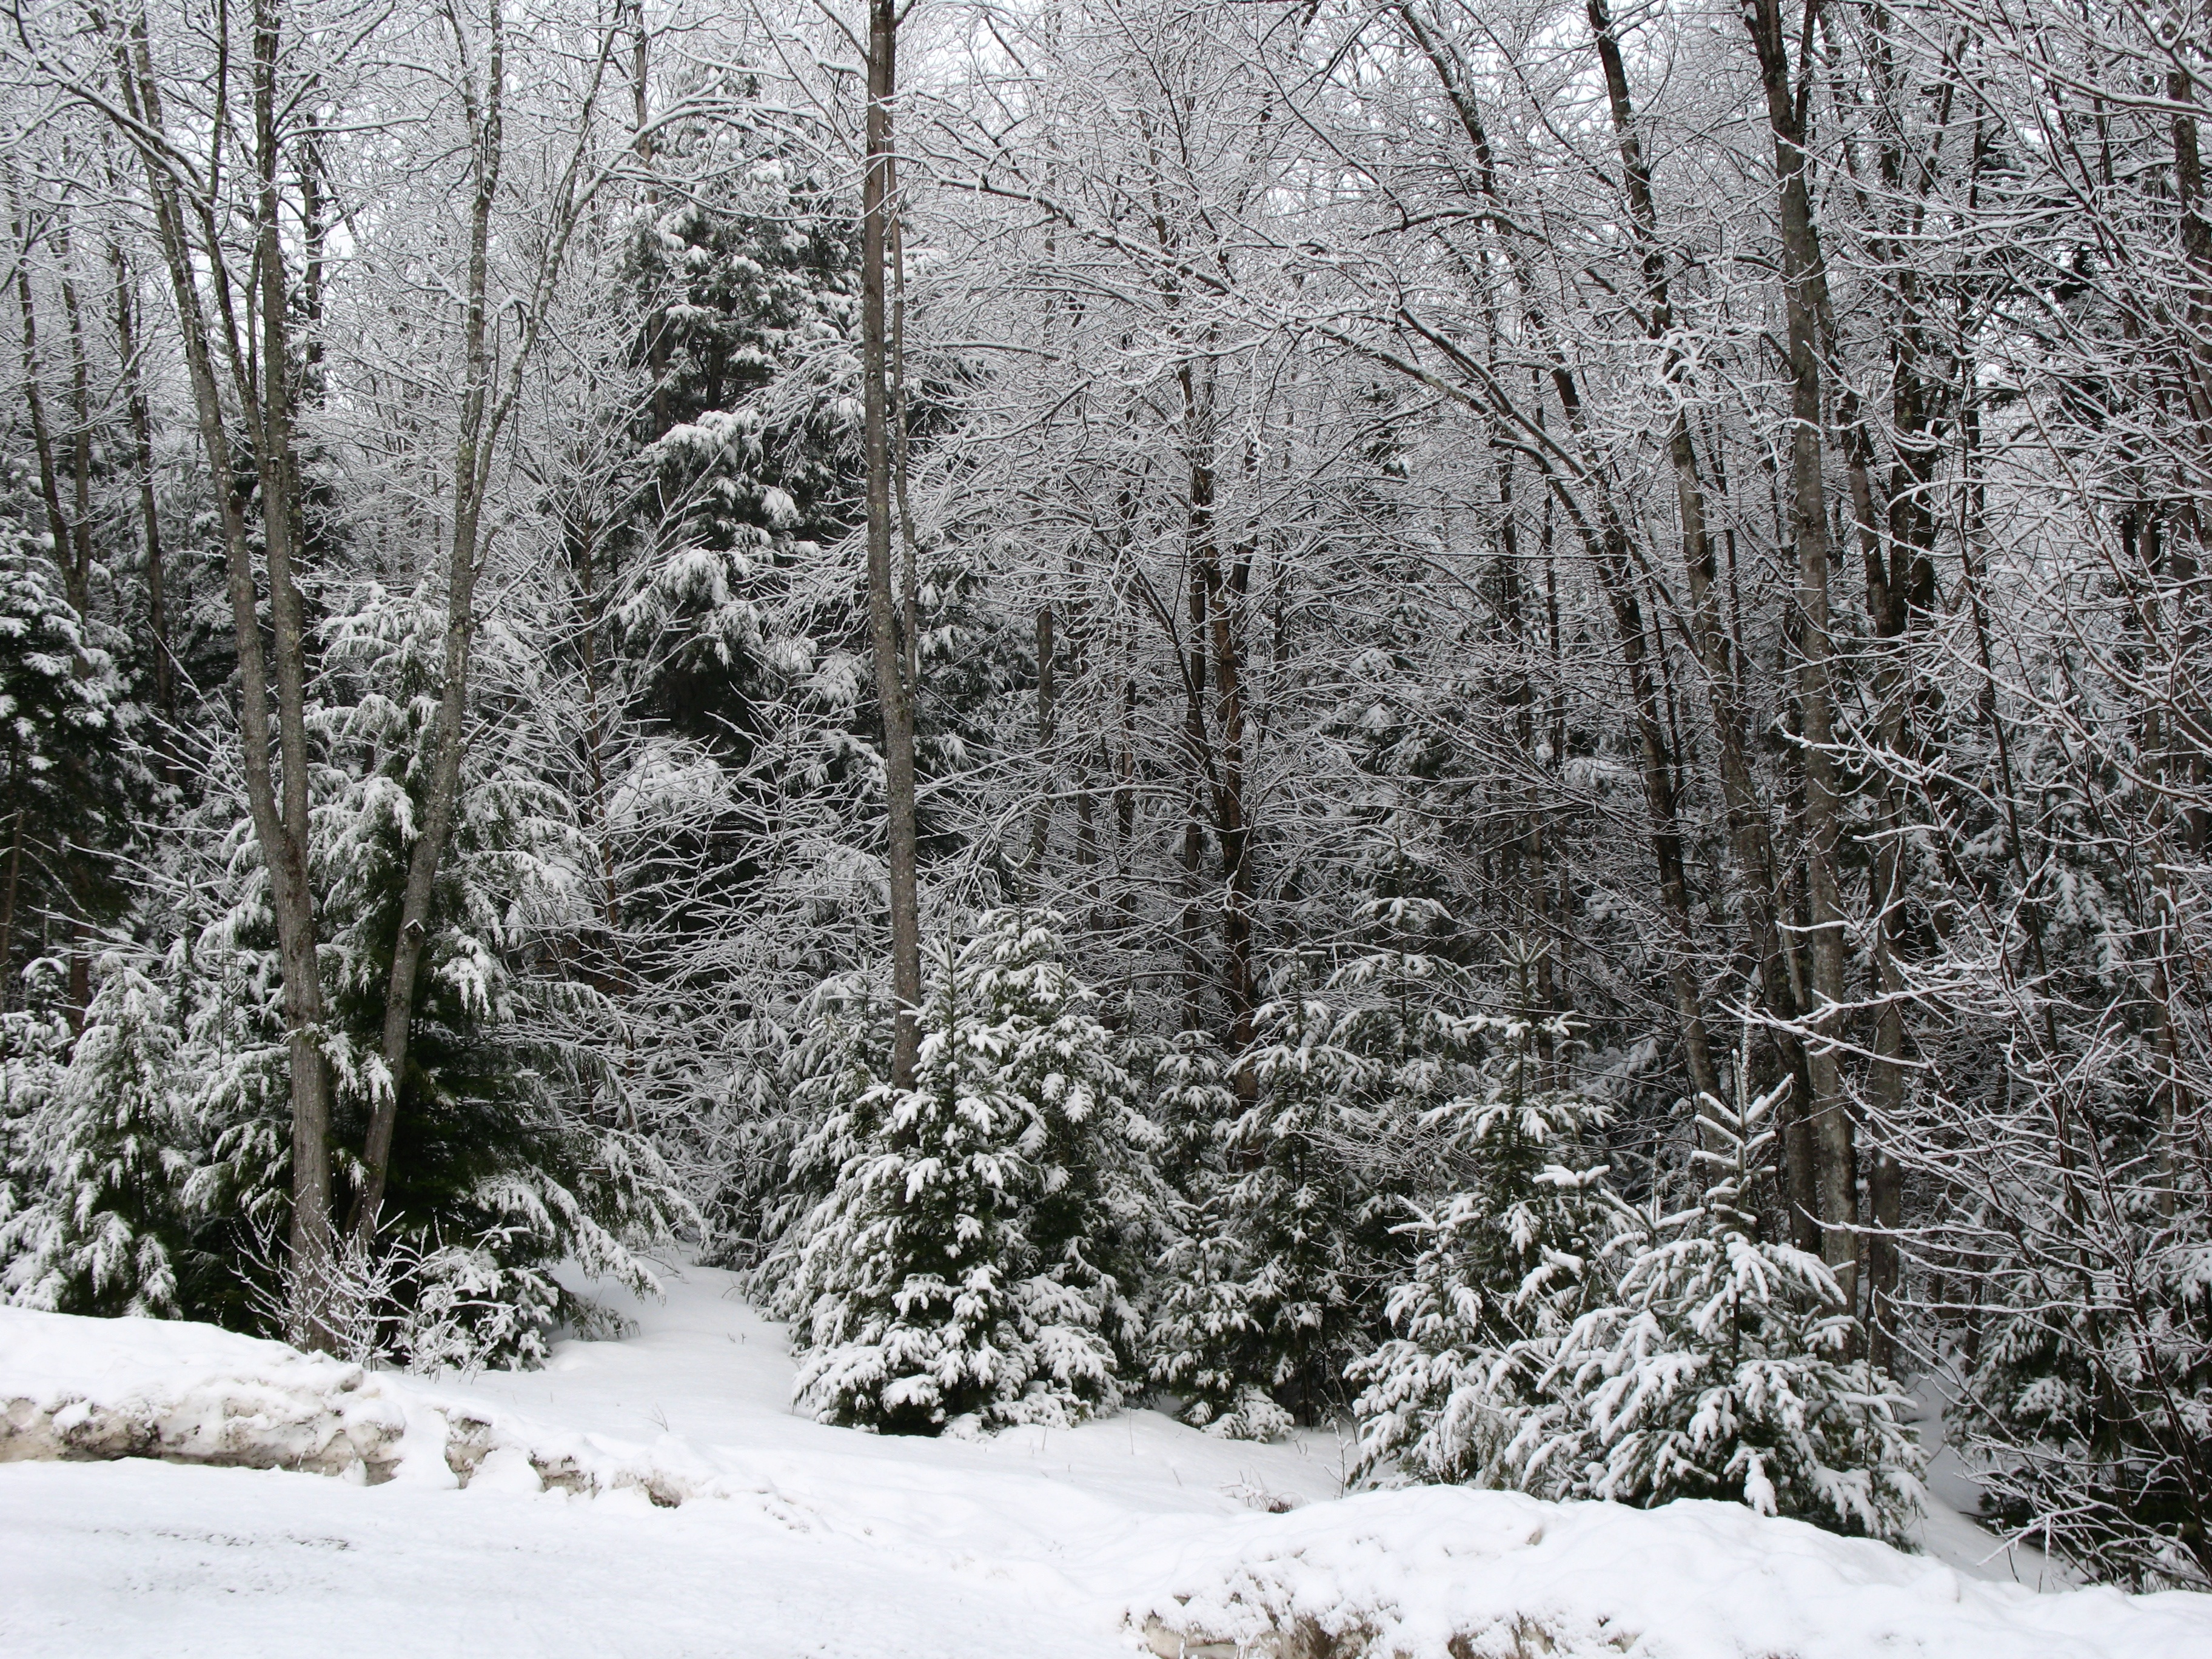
pixel 471 476
pixel 1224 592
pixel 278 477
pixel 78 566
pixel 894 686
pixel 1198 757
pixel 42 443
pixel 142 432
pixel 1750 831
pixel 1041 819
pixel 280 822
pixel 1804 297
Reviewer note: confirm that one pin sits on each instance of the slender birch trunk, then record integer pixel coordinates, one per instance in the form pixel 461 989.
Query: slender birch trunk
pixel 894 686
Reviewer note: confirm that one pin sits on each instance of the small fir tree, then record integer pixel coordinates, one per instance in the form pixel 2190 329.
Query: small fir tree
pixel 101 1233
pixel 71 775
pixel 972 1261
pixel 1289 1213
pixel 1559 1341
pixel 1503 1271
pixel 514 1151
pixel 1208 1341
pixel 1283 1213
pixel 1723 1364
pixel 1208 1337
pixel 2085 1399
pixel 33 1054
pixel 827 1093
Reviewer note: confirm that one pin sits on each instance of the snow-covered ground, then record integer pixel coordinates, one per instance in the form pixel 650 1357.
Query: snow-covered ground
pixel 691 1513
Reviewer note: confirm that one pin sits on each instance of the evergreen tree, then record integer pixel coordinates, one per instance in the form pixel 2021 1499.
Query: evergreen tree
pixel 1503 1273
pixel 817 1118
pixel 233 1065
pixel 513 1152
pixel 33 1054
pixel 1290 1214
pixel 2096 1441
pixel 69 772
pixel 1559 1341
pixel 747 296
pixel 1272 1301
pixel 1725 1364
pixel 1207 1338
pixel 974 1260
pixel 102 1232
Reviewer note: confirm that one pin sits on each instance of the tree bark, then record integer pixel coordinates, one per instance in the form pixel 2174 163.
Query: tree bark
pixel 78 567
pixel 1750 830
pixel 42 443
pixel 1221 591
pixel 277 804
pixel 472 464
pixel 894 686
pixel 1041 819
pixel 1804 290
pixel 150 517
pixel 278 477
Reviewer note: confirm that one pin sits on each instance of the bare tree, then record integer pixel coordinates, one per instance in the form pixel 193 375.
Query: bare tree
pixel 895 691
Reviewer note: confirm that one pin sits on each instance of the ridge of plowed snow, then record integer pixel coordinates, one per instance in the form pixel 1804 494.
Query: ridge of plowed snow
pixel 792 1538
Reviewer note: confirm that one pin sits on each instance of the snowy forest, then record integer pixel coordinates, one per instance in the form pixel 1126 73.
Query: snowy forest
pixel 1483 718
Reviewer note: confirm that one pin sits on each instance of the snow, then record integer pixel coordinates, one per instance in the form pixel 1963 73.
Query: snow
pixel 656 1496
pixel 1417 1571
pixel 1953 1495
pixel 140 1387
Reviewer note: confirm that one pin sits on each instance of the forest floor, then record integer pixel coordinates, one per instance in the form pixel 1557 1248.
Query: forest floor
pixel 790 1540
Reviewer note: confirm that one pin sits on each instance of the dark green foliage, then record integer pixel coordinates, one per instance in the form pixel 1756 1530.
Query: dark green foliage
pixel 975 1257
pixel 69 777
pixel 1292 1216
pixel 747 300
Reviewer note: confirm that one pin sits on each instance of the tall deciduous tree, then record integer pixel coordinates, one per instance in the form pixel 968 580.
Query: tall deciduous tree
pixel 890 620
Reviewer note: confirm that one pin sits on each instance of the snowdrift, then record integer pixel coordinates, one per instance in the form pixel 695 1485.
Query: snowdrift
pixel 1097 1532
pixel 74 1389
pixel 191 1393
pixel 1447 1573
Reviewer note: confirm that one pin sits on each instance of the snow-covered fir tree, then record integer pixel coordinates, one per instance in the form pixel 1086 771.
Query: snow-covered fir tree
pixel 111 1146
pixel 1290 1212
pixel 746 293
pixel 974 1260
pixel 1505 1269
pixel 1560 1340
pixel 513 1152
pixel 1724 1363
pixel 70 773
pixel 814 1118
pixel 28 1073
pixel 1208 1338
pixel 2085 1395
